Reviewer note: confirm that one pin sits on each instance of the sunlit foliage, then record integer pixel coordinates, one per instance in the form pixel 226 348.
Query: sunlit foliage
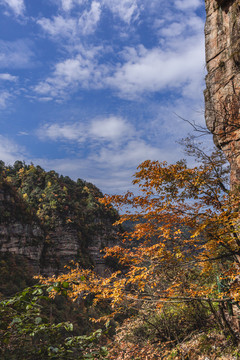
pixel 184 245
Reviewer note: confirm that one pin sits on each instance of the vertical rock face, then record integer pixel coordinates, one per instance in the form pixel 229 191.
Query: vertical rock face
pixel 222 94
pixel 48 248
pixel 23 238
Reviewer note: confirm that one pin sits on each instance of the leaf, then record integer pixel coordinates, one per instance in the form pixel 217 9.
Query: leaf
pixel 104 351
pixel 38 320
pixel 64 292
pixel 38 292
pixel 50 288
pixel 107 324
pixel 16 320
pixel 52 349
pixel 65 284
pixel 69 327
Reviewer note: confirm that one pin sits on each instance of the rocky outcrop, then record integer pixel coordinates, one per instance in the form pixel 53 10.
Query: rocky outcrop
pixel 66 244
pixel 23 240
pixel 48 249
pixel 222 94
pixel 19 236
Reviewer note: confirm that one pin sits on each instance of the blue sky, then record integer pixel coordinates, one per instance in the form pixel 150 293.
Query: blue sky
pixel 91 88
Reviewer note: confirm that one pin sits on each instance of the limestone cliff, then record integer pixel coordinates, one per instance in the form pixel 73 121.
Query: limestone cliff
pixel 222 94
pixel 51 220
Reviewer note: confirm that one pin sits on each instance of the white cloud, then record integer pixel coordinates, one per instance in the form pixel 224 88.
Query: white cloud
pixel 196 23
pixel 23 133
pixel 4 97
pixel 156 70
pixel 45 98
pixel 108 150
pixel 106 178
pixel 8 77
pixel 187 4
pixel 61 132
pixel 89 19
pixel 174 29
pixel 128 156
pixel 67 5
pixel 177 64
pixel 9 151
pixel 80 71
pixel 72 27
pixel 17 6
pixel 72 70
pixel 182 29
pixel 110 169
pixel 15 54
pixel 110 128
pixel 59 26
pixel 114 148
pixel 127 10
pixel 180 67
pixel 68 73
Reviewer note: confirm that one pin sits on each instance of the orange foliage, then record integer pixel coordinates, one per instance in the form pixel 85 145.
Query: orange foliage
pixel 185 230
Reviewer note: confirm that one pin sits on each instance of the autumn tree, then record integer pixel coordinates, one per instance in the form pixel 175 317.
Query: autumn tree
pixel 184 245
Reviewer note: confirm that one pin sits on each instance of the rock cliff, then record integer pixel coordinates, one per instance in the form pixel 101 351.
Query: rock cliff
pixel 51 220
pixel 222 94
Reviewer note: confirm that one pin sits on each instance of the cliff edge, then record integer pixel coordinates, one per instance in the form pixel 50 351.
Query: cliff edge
pixel 222 94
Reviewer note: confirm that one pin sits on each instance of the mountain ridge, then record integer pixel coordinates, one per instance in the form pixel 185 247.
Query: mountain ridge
pixel 51 220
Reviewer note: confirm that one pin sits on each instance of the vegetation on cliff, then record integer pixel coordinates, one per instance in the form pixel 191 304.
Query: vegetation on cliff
pixel 177 294
pixel 33 326
pixel 63 211
pixel 52 198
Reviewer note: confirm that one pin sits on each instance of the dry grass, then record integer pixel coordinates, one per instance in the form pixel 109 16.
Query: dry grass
pixel 201 346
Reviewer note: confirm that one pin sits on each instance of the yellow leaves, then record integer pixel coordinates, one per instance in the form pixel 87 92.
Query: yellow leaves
pixel 21 172
pixel 179 254
pixel 180 225
pixel 234 290
pixel 199 230
pixel 9 179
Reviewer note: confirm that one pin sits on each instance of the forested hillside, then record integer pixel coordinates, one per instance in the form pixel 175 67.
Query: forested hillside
pixel 51 219
pixel 174 293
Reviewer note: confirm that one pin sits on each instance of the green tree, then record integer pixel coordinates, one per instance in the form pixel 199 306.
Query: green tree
pixel 27 334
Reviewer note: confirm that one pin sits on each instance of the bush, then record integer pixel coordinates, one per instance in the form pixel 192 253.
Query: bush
pixel 169 324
